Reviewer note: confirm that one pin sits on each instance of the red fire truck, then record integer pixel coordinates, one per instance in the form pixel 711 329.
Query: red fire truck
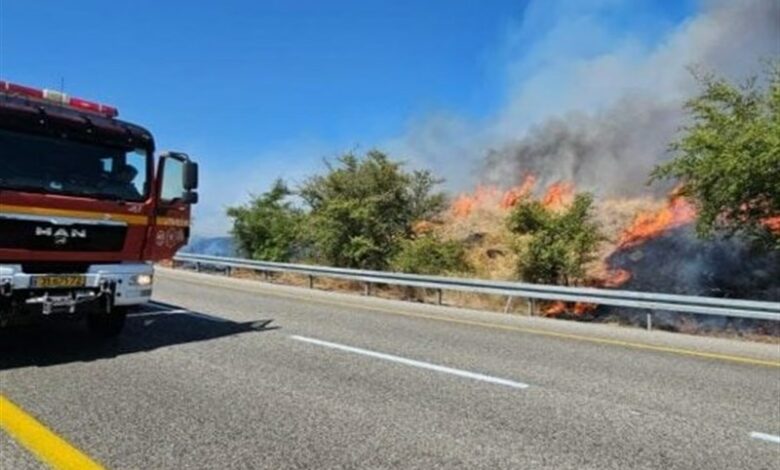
pixel 84 209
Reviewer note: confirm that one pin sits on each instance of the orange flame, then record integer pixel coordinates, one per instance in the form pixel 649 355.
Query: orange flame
pixel 558 195
pixel 514 195
pixel 558 308
pixel 465 204
pixel 677 212
pixel 616 278
pixel 773 224
pixel 554 309
pixel 581 308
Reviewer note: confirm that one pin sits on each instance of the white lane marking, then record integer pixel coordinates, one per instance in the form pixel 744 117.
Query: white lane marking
pixel 149 313
pixel 206 317
pixel 765 437
pixel 190 313
pixel 163 306
pixel 413 363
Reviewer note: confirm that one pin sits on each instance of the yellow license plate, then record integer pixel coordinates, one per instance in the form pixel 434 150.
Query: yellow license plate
pixel 53 282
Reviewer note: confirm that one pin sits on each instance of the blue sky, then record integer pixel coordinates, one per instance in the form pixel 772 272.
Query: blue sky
pixel 259 89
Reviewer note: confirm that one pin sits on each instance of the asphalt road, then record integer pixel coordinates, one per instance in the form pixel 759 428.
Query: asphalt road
pixel 200 380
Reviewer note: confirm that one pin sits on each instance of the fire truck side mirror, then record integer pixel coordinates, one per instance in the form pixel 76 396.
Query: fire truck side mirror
pixel 190 176
pixel 190 197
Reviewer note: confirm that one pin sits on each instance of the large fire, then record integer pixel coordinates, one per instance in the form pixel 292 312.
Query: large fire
pixel 464 204
pixel 633 230
pixel 648 225
pixel 557 196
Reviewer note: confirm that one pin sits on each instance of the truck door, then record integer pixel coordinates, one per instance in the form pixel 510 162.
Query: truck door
pixel 177 179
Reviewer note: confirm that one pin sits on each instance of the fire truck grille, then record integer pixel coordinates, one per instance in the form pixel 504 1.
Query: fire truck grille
pixel 55 268
pixel 47 236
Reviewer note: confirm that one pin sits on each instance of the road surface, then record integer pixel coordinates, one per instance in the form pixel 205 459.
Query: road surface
pixel 201 379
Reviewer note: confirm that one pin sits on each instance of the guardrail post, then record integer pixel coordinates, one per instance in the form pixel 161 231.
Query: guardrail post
pixel 508 305
pixel 197 267
pixel 228 271
pixel 439 295
pixel 311 282
pixel 367 289
pixel 531 307
pixel 649 321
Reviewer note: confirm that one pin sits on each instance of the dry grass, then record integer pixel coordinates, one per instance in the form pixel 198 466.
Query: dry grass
pixel 430 296
pixel 488 242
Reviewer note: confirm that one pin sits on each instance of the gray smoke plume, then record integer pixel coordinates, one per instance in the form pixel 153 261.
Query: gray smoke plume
pixel 609 153
pixel 603 121
pixel 611 146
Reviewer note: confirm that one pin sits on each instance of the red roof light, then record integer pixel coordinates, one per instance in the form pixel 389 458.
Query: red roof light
pixel 85 105
pixel 15 89
pixel 57 97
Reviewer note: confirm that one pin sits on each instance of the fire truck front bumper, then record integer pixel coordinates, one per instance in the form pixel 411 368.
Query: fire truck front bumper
pixel 122 284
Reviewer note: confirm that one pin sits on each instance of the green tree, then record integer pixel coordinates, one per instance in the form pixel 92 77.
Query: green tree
pixel 268 227
pixel 362 208
pixel 427 254
pixel 554 247
pixel 728 159
pixel 424 203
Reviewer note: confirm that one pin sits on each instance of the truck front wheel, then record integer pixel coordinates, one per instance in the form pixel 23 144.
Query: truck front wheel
pixel 106 325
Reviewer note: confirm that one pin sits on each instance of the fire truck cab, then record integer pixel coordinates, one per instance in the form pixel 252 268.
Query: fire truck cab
pixel 85 209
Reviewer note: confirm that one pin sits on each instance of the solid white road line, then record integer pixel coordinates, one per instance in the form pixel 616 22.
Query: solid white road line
pixel 413 363
pixel 765 437
pixel 203 316
pixel 152 313
pixel 170 311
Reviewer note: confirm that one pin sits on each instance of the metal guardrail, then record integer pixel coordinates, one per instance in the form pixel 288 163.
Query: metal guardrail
pixel 759 310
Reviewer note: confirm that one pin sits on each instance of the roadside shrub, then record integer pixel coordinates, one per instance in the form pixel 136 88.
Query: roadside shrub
pixel 363 207
pixel 268 228
pixel 428 254
pixel 554 246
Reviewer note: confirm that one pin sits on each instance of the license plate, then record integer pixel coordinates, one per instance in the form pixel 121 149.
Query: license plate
pixel 54 282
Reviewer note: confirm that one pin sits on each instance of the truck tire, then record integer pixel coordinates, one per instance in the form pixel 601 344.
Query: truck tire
pixel 106 325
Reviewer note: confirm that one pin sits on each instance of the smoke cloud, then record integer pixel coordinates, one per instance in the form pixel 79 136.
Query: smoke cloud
pixel 603 121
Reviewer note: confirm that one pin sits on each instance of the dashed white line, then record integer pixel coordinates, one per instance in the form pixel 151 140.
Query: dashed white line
pixel 765 437
pixel 412 362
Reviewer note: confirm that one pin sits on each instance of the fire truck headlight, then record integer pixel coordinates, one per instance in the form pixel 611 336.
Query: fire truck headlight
pixel 141 280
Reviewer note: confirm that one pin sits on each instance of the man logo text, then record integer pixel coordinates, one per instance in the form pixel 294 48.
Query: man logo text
pixel 60 235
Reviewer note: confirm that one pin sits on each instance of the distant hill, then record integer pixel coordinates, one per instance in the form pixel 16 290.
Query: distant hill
pixel 214 246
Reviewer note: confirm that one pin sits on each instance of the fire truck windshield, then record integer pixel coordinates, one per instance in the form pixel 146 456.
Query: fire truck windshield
pixel 58 166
